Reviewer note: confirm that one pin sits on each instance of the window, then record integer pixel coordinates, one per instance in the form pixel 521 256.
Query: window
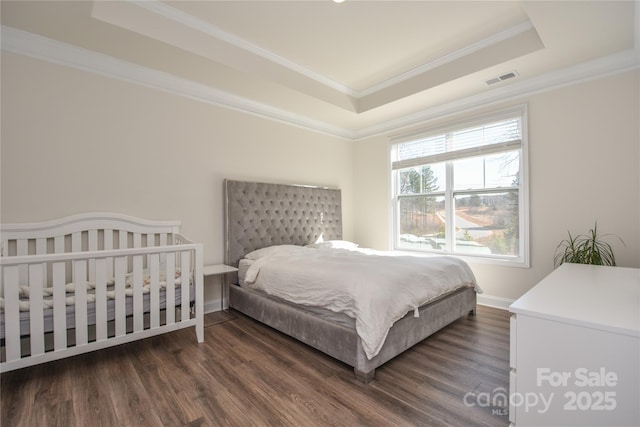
pixel 462 190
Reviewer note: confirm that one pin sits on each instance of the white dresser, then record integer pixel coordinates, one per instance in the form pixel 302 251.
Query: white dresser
pixel 575 349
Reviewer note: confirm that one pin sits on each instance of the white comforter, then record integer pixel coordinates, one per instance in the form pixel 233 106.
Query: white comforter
pixel 374 289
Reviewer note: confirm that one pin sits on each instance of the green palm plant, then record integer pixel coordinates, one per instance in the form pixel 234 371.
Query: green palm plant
pixel 587 248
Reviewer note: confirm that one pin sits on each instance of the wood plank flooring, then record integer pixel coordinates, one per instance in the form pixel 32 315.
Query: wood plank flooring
pixel 246 374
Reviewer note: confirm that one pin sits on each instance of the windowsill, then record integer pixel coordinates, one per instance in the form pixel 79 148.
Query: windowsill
pixel 469 259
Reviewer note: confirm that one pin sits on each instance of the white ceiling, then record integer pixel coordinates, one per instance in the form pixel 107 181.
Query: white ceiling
pixel 352 69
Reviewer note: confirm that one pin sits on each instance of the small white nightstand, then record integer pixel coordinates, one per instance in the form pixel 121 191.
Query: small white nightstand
pixel 219 270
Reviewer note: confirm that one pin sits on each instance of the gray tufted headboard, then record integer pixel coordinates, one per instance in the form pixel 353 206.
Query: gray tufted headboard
pixel 261 214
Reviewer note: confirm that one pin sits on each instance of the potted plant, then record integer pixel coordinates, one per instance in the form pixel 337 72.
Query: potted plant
pixel 587 248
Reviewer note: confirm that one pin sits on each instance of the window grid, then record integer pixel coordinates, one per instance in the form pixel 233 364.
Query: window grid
pixel 505 198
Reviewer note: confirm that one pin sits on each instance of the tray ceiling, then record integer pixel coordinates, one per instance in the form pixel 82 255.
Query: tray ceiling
pixel 351 70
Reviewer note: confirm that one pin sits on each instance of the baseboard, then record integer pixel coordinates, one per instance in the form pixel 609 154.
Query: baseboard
pixel 211 306
pixel 495 302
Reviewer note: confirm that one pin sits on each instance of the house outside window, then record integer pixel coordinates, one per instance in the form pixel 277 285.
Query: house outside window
pixel 462 190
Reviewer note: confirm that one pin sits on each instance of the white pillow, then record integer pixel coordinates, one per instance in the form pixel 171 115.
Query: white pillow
pixel 273 250
pixel 334 244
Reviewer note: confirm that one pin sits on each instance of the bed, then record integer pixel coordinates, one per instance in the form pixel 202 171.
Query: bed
pixel 261 216
pixel 91 281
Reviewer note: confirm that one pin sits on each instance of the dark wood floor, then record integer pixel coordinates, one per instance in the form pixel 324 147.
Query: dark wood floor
pixel 246 374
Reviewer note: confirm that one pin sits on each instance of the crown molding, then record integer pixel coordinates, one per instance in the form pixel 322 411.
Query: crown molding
pixel 49 50
pixel 46 49
pixel 468 50
pixel 212 30
pixel 591 70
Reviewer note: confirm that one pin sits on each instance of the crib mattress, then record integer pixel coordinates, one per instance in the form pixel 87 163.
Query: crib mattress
pixel 91 311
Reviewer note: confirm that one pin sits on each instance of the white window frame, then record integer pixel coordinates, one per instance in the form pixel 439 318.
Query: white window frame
pixel 522 260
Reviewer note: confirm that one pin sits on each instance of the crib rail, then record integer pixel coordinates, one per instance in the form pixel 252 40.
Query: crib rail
pixel 141 286
pixel 86 232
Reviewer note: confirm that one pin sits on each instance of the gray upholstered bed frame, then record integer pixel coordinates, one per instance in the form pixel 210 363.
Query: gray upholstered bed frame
pixel 259 215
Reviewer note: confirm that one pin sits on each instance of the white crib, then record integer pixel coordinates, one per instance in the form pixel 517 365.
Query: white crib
pixel 91 281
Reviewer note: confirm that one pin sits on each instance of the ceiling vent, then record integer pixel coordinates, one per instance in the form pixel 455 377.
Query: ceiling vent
pixel 502 78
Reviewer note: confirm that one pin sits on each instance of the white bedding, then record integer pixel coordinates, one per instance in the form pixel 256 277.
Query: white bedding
pixel 375 288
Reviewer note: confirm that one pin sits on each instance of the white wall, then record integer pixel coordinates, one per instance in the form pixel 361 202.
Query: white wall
pixel 584 162
pixel 74 142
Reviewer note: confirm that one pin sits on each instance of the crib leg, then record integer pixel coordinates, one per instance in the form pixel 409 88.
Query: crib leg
pixel 200 332
pixel 197 311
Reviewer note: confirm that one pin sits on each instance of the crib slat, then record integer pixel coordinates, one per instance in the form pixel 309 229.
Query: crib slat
pixel 108 239
pixel 92 246
pixel 138 318
pixel 101 299
pixel 36 310
pixel 184 284
pixel 11 313
pixel 108 245
pixel 93 240
pixel 76 242
pixel 59 296
pixel 22 248
pixel 154 292
pixel 171 290
pixel 163 242
pixel 122 239
pixel 59 307
pixel 79 280
pixel 58 244
pixel 120 283
pixel 41 246
pixel 41 249
pixel 137 240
